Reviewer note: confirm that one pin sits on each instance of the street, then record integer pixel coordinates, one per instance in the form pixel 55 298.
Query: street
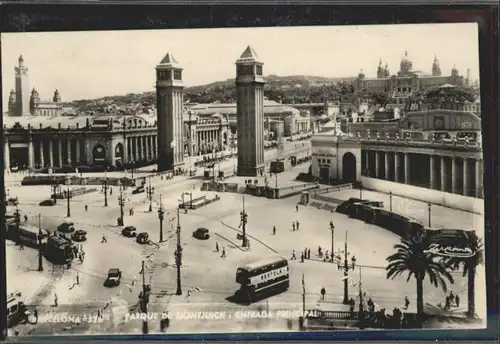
pixel 208 280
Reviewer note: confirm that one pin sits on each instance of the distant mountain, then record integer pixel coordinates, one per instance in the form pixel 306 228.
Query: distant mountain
pixel 287 89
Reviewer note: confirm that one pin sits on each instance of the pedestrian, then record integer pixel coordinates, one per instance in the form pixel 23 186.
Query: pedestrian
pixel 223 253
pixel 21 245
pixel 297 225
pixel 35 314
pixel 110 191
pixel 25 218
pixel 77 278
pixel 274 230
pixel 55 300
pixel 302 257
pixel 308 253
pixel 104 239
pixel 305 253
pixel 320 251
pixel 407 302
pixel 323 292
pixel 353 259
pixel 293 226
pixel 297 208
pixel 86 207
pixel 216 247
pixel 457 300
pixel 293 255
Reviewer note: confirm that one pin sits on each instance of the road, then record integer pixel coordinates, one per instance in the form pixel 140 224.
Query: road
pixel 209 278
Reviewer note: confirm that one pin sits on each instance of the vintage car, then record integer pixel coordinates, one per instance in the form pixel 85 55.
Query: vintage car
pixel 113 278
pixel 66 227
pixel 201 234
pixel 79 235
pixel 47 203
pixel 129 232
pixel 142 238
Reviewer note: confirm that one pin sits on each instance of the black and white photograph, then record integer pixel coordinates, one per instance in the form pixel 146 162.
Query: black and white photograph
pixel 243 180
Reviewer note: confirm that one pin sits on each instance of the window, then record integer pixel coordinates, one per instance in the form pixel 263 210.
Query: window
pixel 259 70
pixel 177 75
pixel 327 161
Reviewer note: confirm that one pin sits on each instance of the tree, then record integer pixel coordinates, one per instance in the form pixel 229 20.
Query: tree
pixel 413 256
pixel 450 94
pixel 469 267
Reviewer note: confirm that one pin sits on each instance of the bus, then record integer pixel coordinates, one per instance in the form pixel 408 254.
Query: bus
pixel 28 234
pixel 262 278
pixel 59 249
pixel 16 310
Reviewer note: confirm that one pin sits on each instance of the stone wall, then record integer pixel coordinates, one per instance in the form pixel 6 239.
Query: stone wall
pixel 470 204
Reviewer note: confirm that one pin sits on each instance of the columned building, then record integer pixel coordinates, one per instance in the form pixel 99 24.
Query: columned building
pixel 438 149
pixel 250 114
pixel 170 110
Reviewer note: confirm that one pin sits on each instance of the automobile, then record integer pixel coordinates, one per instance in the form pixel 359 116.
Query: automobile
pixel 47 203
pixel 142 238
pixel 66 227
pixel 201 234
pixel 129 232
pixel 113 278
pixel 79 235
pixel 138 190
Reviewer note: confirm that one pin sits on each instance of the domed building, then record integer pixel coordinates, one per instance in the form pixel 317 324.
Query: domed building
pixel 407 81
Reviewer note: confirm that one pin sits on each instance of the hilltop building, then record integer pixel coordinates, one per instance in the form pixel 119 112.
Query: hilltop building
pixel 22 103
pixel 407 81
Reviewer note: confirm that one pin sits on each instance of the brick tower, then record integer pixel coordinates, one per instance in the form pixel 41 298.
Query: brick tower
pixel 250 114
pixel 169 104
pixel 22 106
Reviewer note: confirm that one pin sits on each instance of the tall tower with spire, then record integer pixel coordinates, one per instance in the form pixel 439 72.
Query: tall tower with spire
pixel 250 114
pixel 22 89
pixel 170 108
pixel 380 70
pixel 436 70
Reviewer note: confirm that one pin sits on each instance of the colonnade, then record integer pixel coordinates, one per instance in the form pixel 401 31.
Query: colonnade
pixel 141 148
pixel 208 137
pixel 458 175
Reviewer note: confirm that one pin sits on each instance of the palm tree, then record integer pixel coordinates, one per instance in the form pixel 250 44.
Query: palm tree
pixel 412 255
pixel 469 267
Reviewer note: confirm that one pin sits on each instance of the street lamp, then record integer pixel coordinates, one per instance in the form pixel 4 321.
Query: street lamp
pixel 150 190
pixel 105 189
pixel 332 228
pixel 17 217
pixel 178 255
pixel 121 203
pixel 429 208
pixel 161 216
pixel 244 220
pixel 40 237
pixel 346 273
pixel 390 201
pixel 361 307
pixel 54 187
pixel 68 197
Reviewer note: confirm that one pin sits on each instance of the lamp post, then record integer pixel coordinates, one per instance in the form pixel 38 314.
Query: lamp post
pixel 429 208
pixel 332 229
pixel 40 248
pixel 346 274
pixel 361 306
pixel 178 255
pixel 150 190
pixel 68 197
pixel 144 299
pixel 54 187
pixel 17 217
pixel 105 188
pixel 121 203
pixel 244 220
pixel 390 201
pixel 161 216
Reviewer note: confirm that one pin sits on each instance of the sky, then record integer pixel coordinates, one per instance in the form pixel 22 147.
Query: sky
pixel 92 64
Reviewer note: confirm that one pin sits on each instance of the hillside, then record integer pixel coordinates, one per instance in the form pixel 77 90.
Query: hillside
pixel 288 89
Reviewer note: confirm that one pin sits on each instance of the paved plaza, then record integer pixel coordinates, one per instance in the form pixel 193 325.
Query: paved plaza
pixel 207 279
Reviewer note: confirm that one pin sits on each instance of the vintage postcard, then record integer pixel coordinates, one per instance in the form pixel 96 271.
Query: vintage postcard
pixel 243 180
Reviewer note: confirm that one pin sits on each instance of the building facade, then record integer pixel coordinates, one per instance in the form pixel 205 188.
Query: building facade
pixel 436 149
pixel 22 103
pixel 170 113
pixel 250 114
pixel 407 81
